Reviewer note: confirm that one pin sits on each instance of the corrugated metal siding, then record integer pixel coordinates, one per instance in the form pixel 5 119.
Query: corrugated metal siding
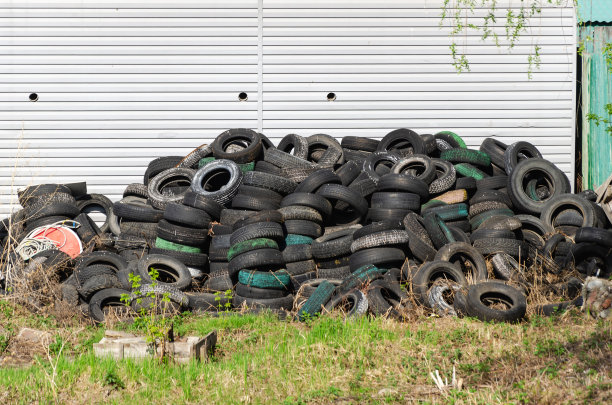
pixel 594 11
pixel 390 66
pixel 119 82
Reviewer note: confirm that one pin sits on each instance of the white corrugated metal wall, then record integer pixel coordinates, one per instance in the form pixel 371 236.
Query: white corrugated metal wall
pixel 121 82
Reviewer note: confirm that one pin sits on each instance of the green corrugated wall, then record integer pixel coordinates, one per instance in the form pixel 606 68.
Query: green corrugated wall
pixel 596 89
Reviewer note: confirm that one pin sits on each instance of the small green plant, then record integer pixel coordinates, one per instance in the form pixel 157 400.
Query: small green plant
pixel 224 300
pixel 57 345
pixel 4 341
pixel 151 317
pixel 111 378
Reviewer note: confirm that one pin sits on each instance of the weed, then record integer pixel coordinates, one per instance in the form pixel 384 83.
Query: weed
pixel 152 317
pixel 224 302
pixel 111 378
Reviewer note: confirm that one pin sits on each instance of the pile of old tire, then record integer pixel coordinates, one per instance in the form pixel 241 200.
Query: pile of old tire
pixel 410 220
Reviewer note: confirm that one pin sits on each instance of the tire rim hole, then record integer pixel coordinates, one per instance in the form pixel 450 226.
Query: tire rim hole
pixel 496 301
pixel 215 180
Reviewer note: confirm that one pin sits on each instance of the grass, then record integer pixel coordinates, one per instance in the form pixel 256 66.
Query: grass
pixel 263 360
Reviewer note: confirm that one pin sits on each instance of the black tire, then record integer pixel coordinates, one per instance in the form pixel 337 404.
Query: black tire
pixel 491 233
pixel 425 276
pixel 110 297
pixel 269 181
pixel 334 244
pixel 420 244
pixel 515 248
pixel 315 201
pixel 188 259
pixel 470 156
pixel 495 149
pixel 353 303
pixel 517 152
pixel 396 200
pixel 459 253
pixel 158 165
pixel 300 227
pixel 136 190
pixel 492 183
pixel 446 175
pixel 371 166
pixel 476 209
pixel 403 183
pixel 492 292
pixel 172 272
pixel 286 160
pixel 380 239
pixel 89 202
pixel 376 227
pixel 297 253
pixel 248 202
pixel 294 144
pixel 98 283
pixel 487 196
pixel 261 216
pixel 387 299
pixel 359 143
pixel 181 234
pixel 380 257
pixel 88 230
pixel 337 193
pixel 266 167
pixel 47 192
pixel 449 212
pixel 554 205
pixel 43 209
pixel 437 230
pixel 348 172
pixel 300 268
pixel 535 168
pixel 602 237
pixel 259 192
pixel 300 212
pixel 270 230
pixel 248 139
pixel 229 217
pixel 100 257
pixel 418 166
pixel 248 291
pixel 284 303
pixel 163 187
pixel 186 216
pixel 218 180
pixel 312 183
pixel 208 302
pixel 145 230
pixel 136 210
pixel 85 273
pixel 206 204
pixel 331 151
pixel 178 299
pixel 466 183
pixel 259 259
pixel 363 187
pixel 402 142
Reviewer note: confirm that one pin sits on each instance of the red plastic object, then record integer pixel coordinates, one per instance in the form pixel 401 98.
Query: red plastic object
pixel 66 239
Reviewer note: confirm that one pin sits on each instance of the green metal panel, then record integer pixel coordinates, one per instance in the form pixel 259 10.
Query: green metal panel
pixel 594 11
pixel 596 92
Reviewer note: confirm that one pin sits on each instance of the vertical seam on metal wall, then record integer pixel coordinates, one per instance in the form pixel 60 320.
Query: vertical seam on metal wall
pixel 259 65
pixel 573 169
